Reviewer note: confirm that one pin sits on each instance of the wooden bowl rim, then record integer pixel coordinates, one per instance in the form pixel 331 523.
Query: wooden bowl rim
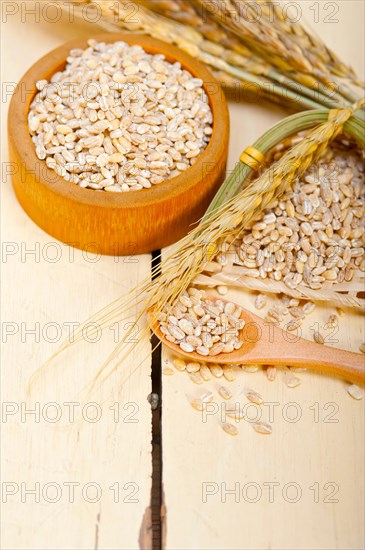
pixel 134 199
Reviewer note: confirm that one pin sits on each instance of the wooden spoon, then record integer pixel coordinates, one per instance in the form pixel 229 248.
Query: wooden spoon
pixel 265 344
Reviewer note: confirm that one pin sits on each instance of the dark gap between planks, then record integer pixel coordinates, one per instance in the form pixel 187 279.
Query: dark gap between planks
pixel 156 490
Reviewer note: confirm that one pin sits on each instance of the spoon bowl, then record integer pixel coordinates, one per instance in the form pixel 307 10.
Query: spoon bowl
pixel 248 335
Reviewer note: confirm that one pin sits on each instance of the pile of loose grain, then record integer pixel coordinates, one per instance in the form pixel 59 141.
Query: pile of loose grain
pixel 119 119
pixel 315 234
pixel 297 310
pixel 199 324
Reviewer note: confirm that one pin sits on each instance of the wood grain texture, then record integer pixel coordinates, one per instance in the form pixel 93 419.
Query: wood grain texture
pixel 312 450
pixel 317 444
pixel 124 223
pixel 107 460
pixel 300 487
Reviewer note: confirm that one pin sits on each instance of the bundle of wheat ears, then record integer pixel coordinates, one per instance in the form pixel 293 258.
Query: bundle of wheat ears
pixel 258 49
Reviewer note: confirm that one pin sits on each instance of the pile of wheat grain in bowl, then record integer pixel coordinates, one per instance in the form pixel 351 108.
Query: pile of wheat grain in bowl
pixel 119 119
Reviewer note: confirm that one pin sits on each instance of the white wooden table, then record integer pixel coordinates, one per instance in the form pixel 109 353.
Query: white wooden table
pixel 77 467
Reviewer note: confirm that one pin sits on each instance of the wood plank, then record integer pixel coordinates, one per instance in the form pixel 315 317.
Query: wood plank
pixel 316 447
pixel 302 486
pixel 104 452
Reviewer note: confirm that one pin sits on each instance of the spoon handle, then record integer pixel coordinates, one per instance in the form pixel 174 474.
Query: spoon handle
pixel 348 365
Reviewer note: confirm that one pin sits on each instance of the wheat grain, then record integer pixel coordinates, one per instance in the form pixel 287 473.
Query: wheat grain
pixel 251 368
pixel 229 373
pixel 196 377
pixel 179 364
pixel 271 373
pixel 193 367
pixel 205 372
pixel 230 429
pixel 216 371
pixel 293 381
pixel 254 397
pixel 355 391
pixel 167 371
pixel 260 301
pixel 262 428
pixel 224 392
pixel 318 338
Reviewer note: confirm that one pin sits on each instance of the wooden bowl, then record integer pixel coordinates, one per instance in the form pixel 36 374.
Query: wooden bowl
pixel 115 223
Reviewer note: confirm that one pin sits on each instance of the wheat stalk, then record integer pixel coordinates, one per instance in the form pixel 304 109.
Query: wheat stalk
pixel 184 11
pixel 342 294
pixel 188 13
pixel 289 46
pixel 304 91
pixel 315 48
pixel 311 43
